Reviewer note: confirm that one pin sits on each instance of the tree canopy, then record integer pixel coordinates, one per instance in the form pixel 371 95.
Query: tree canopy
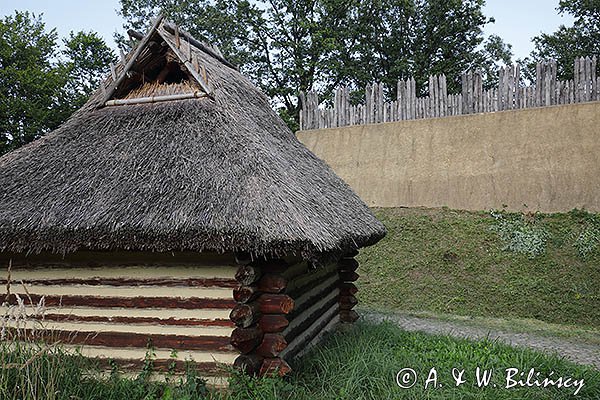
pixel 40 83
pixel 288 46
pixel 567 43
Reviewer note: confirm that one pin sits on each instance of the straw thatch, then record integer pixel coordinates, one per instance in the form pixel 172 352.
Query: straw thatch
pixel 222 173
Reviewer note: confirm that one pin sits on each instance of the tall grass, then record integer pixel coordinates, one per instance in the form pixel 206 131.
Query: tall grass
pixel 361 363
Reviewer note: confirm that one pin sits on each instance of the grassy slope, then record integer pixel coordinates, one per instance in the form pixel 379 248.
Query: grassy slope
pixel 448 261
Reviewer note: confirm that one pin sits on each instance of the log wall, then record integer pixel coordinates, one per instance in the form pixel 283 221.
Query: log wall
pixel 116 304
pixel 285 307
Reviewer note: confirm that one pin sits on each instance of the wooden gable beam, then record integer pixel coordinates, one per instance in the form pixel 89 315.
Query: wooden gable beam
pixel 185 60
pixel 141 45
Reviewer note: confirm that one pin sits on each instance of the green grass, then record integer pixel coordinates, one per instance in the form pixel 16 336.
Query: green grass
pixel 456 262
pixel 361 363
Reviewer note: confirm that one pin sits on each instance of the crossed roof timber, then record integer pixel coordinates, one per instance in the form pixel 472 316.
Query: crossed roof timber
pixel 185 59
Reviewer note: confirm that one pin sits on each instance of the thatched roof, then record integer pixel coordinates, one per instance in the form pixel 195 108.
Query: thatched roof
pixel 217 173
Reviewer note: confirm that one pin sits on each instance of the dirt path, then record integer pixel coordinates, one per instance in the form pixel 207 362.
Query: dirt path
pixel 580 353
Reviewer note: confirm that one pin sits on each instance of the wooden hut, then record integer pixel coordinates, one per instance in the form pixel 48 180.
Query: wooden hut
pixel 176 208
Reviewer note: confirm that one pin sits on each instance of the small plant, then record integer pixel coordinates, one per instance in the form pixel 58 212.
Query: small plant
pixel 587 240
pixel 521 233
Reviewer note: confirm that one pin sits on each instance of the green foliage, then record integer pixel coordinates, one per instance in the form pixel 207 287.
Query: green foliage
pixel 452 262
pixel 87 61
pixel 587 241
pixel 521 233
pixel 288 46
pixel 40 86
pixel 567 43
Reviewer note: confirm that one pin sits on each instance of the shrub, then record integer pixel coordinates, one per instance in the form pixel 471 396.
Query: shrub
pixel 521 233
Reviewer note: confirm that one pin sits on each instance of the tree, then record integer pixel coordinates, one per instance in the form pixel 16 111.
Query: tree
pixel 567 43
pixel 288 46
pixel 87 60
pixel 39 89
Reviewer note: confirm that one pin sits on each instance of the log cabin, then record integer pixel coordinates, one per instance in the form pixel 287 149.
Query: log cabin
pixel 176 210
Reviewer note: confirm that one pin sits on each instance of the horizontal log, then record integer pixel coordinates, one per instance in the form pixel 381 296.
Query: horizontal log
pixel 295 270
pixel 347 289
pixel 245 315
pixel 128 302
pixel 126 339
pixel 348 316
pixel 314 294
pixel 155 99
pixel 348 264
pixel 320 333
pixel 167 282
pixel 305 319
pixel 248 363
pixel 248 274
pixel 271 323
pixel 300 341
pixel 272 283
pixel 305 283
pixel 275 304
pixel 137 320
pixel 348 276
pixel 245 294
pixel 348 302
pixel 246 339
pixel 271 345
pixel 274 366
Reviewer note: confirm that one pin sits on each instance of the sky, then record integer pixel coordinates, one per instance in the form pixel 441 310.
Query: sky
pixel 517 21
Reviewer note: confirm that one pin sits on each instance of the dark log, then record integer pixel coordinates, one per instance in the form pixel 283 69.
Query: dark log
pixel 348 276
pixel 137 320
pixel 348 316
pixel 169 282
pixel 271 323
pixel 128 302
pixel 348 289
pixel 244 294
pixel 248 274
pixel 274 366
pixel 310 279
pixel 135 34
pixel 275 304
pixel 246 339
pixel 127 339
pixel 272 283
pixel 248 363
pixel 271 345
pixel 347 302
pixel 314 294
pixel 304 320
pixel 348 264
pixel 244 315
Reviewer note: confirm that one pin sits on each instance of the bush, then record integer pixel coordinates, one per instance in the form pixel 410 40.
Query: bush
pixel 521 233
